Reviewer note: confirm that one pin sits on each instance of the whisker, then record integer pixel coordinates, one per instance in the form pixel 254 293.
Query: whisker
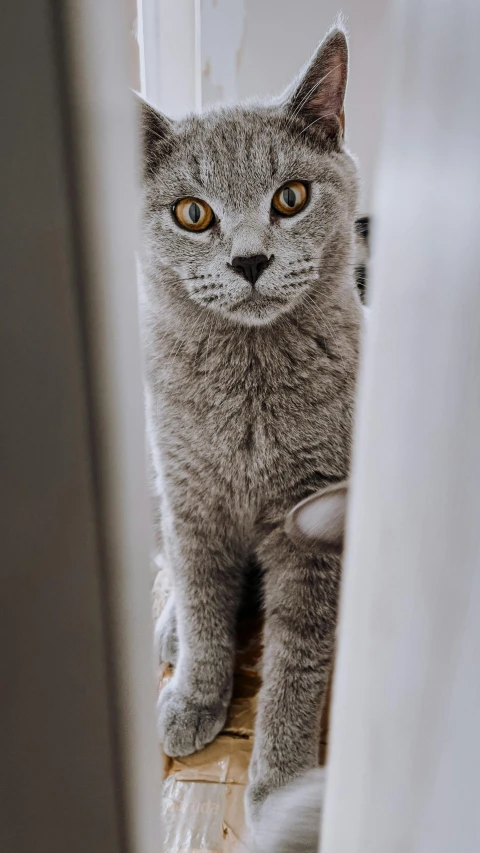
pixel 314 122
pixel 178 344
pixel 329 328
pixel 205 288
pixel 200 341
pixel 214 323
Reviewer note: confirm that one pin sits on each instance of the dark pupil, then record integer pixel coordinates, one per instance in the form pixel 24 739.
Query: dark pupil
pixel 289 197
pixel 194 212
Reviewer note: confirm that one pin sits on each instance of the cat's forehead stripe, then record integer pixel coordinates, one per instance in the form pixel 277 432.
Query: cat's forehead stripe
pixel 241 155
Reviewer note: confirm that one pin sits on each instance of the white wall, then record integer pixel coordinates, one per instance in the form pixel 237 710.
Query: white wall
pixel 252 47
pixel 169 54
pixel 404 745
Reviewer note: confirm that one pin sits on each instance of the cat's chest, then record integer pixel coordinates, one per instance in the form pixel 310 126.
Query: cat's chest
pixel 250 414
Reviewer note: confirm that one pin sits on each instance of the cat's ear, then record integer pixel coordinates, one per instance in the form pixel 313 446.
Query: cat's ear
pixel 156 132
pixel 319 92
pixel 319 520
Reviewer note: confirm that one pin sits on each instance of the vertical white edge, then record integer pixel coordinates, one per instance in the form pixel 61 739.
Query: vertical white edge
pixel 141 48
pixel 170 55
pixel 102 132
pixel 405 750
pixel 150 46
pixel 198 56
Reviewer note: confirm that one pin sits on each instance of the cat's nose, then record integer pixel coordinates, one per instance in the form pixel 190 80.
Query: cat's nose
pixel 250 266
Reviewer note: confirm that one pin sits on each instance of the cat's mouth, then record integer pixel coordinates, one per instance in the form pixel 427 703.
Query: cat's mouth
pixel 257 307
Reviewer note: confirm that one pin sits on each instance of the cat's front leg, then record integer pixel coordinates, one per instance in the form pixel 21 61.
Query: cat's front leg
pixel 166 633
pixel 192 708
pixel 301 598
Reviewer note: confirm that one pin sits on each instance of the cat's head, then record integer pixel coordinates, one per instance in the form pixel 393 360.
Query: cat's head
pixel 243 204
pixel 318 522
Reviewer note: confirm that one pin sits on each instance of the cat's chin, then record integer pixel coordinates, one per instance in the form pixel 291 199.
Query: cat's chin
pixel 259 311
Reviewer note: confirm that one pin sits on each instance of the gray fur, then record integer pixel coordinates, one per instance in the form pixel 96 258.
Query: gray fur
pixel 250 399
pixel 290 818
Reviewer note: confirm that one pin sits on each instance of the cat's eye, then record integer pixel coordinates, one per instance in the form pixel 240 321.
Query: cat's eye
pixel 290 198
pixel 193 214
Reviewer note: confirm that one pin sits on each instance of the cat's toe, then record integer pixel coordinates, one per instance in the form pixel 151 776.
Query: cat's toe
pixel 184 725
pixel 166 635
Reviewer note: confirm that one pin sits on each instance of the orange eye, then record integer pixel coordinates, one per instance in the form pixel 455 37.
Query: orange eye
pixel 194 214
pixel 290 198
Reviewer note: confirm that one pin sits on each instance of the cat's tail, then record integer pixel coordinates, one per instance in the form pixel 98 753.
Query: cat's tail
pixel 290 821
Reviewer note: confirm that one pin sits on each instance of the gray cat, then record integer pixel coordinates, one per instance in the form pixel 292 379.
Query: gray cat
pixel 251 326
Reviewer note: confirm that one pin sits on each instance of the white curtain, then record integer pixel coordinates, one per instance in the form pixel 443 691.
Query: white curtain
pixel 405 748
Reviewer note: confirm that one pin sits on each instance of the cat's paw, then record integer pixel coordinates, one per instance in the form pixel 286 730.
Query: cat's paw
pixel 166 635
pixel 185 725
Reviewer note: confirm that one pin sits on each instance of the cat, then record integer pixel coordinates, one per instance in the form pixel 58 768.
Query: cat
pixel 251 325
pixel 291 817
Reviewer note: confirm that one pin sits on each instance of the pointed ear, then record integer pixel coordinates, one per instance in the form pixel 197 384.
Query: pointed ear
pixel 319 520
pixel 156 134
pixel 319 92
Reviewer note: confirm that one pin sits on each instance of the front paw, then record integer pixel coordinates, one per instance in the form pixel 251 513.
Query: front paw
pixel 186 725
